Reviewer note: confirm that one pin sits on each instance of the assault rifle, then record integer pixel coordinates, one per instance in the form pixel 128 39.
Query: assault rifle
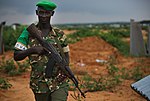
pixel 55 55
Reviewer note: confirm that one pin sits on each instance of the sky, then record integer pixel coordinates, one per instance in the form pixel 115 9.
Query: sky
pixel 77 11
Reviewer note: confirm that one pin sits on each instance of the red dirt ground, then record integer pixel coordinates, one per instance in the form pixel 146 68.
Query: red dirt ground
pixel 83 55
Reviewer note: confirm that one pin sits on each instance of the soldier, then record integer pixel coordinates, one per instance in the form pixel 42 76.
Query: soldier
pixel 47 81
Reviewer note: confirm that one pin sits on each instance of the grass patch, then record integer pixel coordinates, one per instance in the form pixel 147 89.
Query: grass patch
pixel 4 84
pixel 12 69
pixel 72 38
pixel 107 82
pixel 116 42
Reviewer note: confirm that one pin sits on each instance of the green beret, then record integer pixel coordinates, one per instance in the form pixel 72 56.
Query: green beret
pixel 46 4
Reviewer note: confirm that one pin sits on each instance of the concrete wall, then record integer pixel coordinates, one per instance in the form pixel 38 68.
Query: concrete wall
pixel 137 46
pixel 148 42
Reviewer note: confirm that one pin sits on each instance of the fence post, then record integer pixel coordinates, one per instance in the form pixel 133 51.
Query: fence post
pixel 137 46
pixel 1 38
pixel 148 42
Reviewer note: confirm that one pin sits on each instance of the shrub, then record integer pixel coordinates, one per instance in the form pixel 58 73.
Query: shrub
pixel 72 38
pixel 4 84
pixel 10 36
pixel 136 74
pixel 120 33
pixel 9 67
pixel 116 42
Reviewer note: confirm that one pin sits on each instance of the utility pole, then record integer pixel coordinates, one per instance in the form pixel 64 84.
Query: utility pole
pixel 1 38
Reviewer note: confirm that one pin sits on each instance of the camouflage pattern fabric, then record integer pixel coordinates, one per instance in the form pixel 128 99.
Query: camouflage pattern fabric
pixel 38 82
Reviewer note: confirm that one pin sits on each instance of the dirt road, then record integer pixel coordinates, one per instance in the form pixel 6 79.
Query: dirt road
pixel 21 92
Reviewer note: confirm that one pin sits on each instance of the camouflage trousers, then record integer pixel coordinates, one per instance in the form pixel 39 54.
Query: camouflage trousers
pixel 58 95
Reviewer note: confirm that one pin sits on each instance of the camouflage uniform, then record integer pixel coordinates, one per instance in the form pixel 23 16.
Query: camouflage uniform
pixel 38 82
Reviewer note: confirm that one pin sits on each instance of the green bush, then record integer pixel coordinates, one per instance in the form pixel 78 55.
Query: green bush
pixel 114 77
pixel 4 84
pixel 116 42
pixel 72 38
pixel 9 67
pixel 114 38
pixel 136 74
pixel 93 84
pixel 120 33
pixel 10 36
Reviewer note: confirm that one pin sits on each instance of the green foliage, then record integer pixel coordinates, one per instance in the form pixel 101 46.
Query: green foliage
pixel 125 74
pixel 4 84
pixel 114 77
pixel 120 33
pixel 72 38
pixel 114 37
pixel 112 70
pixel 10 36
pixel 92 84
pixel 137 74
pixel 116 42
pixel 9 67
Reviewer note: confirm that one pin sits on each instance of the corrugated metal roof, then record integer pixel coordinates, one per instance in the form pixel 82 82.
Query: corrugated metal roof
pixel 142 87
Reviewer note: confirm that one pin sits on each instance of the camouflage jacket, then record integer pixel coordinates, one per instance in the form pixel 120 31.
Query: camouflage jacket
pixel 38 82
